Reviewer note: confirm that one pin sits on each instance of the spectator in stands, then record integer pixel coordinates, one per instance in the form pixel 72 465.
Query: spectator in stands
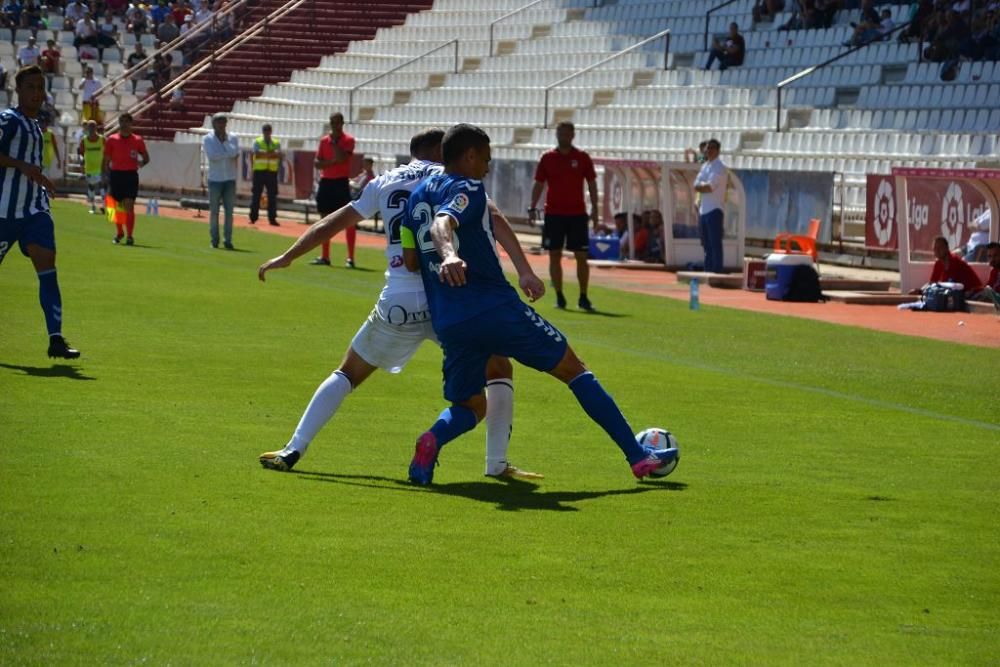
pixel 10 14
pixel 49 61
pixel 134 59
pixel 168 30
pixel 181 11
pixel 108 32
pixel 28 54
pixel 266 163
pixel 88 86
pixel 563 172
pixel 867 28
pixel 991 292
pixel 697 156
pixel 766 10
pixel 222 150
pixel 86 33
pixel 634 241
pixel 177 99
pixel 31 16
pixel 920 15
pixel 137 20
pixel 978 240
pixel 948 38
pixel 117 7
pixel 711 184
pixel 158 12
pixel 730 51
pixel 951 268
pixel 74 11
pixel 159 71
pixel 824 12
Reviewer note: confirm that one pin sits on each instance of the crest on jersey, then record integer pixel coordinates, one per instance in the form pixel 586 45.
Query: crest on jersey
pixel 459 203
pixel 396 261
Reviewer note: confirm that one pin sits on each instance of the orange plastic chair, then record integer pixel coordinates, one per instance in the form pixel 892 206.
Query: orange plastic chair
pixel 795 243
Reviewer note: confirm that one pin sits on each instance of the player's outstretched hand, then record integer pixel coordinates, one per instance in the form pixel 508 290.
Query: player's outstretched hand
pixel 279 262
pixel 452 271
pixel 532 286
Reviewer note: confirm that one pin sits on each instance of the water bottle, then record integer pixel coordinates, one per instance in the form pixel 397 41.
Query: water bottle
pixel 693 300
pixel 149 207
pixel 156 206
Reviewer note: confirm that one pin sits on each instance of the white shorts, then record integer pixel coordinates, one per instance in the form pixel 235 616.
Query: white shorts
pixel 390 346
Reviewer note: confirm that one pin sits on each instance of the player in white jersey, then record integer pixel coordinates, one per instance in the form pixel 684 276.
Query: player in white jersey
pixel 400 320
pixel 24 200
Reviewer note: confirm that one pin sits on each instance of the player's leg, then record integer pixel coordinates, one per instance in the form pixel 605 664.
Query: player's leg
pixel 38 243
pixel 578 241
pixel 128 205
pixel 351 236
pixel 324 404
pixel 255 190
pixel 342 197
pixel 91 194
pixel 464 367
pixel 324 206
pixel 500 420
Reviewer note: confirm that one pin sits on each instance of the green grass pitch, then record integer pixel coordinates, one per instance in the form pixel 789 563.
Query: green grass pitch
pixel 836 501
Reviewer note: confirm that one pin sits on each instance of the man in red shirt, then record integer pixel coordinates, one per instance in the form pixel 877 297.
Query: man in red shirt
pixel 564 170
pixel 333 159
pixel 953 269
pixel 122 152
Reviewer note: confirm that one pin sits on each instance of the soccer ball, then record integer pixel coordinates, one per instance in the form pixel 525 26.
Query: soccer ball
pixel 660 438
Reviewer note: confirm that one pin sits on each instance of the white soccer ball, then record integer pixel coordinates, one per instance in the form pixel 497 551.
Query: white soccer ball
pixel 660 438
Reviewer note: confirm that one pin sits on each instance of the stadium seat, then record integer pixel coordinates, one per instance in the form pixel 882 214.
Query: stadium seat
pixel 795 243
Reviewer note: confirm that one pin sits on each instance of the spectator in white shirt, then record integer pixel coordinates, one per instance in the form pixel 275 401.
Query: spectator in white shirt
pixel 74 11
pixel 711 183
pixel 222 150
pixel 28 55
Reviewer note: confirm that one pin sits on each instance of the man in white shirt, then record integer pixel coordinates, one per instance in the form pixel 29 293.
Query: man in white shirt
pixel 28 55
pixel 711 183
pixel 74 12
pixel 222 150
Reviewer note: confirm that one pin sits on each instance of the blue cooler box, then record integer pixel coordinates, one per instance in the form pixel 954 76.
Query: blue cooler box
pixel 605 247
pixel 779 270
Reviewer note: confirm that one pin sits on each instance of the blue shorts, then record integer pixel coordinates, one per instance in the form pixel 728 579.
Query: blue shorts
pixel 512 330
pixel 38 229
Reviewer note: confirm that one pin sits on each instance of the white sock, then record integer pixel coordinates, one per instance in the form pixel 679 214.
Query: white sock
pixel 499 423
pixel 321 409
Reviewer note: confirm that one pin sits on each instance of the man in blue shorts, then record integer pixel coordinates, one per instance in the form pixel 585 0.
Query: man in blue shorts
pixel 448 236
pixel 24 200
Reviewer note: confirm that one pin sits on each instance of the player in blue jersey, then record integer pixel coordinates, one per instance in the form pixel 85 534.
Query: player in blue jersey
pixel 24 200
pixel 448 237
pixel 399 322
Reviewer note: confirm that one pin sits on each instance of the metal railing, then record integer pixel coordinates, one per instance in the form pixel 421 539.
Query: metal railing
pixel 207 63
pixel 666 62
pixel 814 68
pixel 708 17
pixel 508 15
pixel 350 94
pixel 198 33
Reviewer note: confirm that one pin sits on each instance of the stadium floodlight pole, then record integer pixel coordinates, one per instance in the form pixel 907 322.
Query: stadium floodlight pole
pixel 507 16
pixel 708 17
pixel 814 68
pixel 350 93
pixel 666 62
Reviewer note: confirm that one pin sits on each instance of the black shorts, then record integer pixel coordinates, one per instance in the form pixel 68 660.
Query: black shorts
pixel 569 231
pixel 332 194
pixel 123 184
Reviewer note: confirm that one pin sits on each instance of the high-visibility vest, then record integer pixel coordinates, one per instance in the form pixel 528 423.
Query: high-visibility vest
pixel 93 155
pixel 262 163
pixel 48 147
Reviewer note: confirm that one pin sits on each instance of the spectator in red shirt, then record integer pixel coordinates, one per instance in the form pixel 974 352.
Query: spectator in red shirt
pixel 564 170
pixel 951 268
pixel 122 153
pixel 333 159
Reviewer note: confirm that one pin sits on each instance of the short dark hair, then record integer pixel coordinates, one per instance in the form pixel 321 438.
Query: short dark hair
pixel 702 145
pixel 426 140
pixel 25 72
pixel 336 114
pixel 992 244
pixel 460 138
pixel 566 124
pixel 266 127
pixel 713 143
pixel 125 116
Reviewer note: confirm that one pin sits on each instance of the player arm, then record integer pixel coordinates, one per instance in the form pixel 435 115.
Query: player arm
pixel 452 267
pixel 145 157
pixel 32 171
pixel 319 232
pixel 536 193
pixel 592 187
pixel 411 256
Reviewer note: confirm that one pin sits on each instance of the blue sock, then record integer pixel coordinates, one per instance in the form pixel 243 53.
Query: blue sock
pixel 600 407
pixel 453 422
pixel 48 295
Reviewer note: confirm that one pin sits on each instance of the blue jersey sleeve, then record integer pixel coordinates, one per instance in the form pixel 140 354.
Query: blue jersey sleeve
pixel 465 202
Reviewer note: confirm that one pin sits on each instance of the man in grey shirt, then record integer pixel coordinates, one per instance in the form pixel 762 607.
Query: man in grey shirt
pixel 222 151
